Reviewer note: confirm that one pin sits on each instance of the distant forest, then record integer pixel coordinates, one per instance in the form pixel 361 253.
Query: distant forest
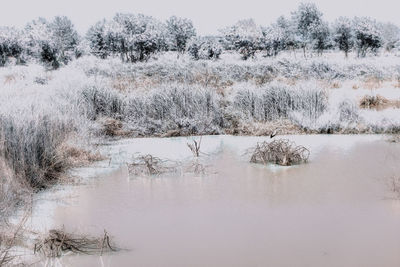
pixel 136 37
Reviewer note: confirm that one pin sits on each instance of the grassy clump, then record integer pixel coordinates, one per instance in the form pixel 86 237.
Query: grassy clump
pixel 373 102
pixel 30 147
pixel 281 152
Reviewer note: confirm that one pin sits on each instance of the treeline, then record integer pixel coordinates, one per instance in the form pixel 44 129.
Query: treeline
pixel 135 37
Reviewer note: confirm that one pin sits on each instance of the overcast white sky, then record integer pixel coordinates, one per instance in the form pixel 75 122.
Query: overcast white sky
pixel 207 15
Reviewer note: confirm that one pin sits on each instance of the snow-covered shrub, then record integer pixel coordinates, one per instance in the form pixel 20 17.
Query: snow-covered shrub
pixel 245 37
pixel 348 111
pixel 390 35
pixel 180 31
pixel 204 48
pixel 367 36
pixel 11 45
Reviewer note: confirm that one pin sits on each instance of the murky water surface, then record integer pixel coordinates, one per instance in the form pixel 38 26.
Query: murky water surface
pixel 337 210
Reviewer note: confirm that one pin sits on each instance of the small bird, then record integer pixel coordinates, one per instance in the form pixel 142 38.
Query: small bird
pixel 272 135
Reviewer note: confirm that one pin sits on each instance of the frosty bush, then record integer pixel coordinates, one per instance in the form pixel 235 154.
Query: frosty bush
pixel 204 48
pixel 245 37
pixel 390 36
pixel 11 45
pixel 180 30
pixel 348 111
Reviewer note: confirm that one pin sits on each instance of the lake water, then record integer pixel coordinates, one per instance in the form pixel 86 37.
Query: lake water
pixel 336 210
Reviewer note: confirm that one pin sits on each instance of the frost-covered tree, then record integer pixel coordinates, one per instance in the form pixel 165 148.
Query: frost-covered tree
pixel 320 37
pixel 390 35
pixel 367 36
pixel 53 43
pixel 272 41
pixel 134 37
pixel 343 34
pixel 307 19
pixel 286 32
pixel 11 45
pixel 204 48
pixel 98 40
pixel 180 31
pixel 41 45
pixel 277 37
pixel 65 37
pixel 245 37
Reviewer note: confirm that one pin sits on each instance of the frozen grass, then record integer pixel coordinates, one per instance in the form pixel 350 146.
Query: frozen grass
pixel 30 147
pixel 167 68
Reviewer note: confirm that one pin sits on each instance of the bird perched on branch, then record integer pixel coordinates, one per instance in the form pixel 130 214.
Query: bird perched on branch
pixel 272 135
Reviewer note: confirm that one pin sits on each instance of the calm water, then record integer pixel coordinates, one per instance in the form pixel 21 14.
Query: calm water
pixel 337 210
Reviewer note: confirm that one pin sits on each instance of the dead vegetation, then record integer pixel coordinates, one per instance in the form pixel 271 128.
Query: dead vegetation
pixel 77 157
pixel 58 243
pixel 112 127
pixel 6 245
pixel 9 79
pixel 9 239
pixel 195 147
pixel 281 152
pixel 150 165
pixel 373 102
pixel 282 127
pixel 372 82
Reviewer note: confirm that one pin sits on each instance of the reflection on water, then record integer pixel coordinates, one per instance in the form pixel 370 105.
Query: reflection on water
pixel 333 211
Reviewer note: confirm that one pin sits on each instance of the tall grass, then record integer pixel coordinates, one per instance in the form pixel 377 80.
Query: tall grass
pixel 29 147
pixel 190 110
pixel 273 103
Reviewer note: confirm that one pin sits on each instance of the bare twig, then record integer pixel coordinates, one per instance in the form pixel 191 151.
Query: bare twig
pixel 150 165
pixel 195 147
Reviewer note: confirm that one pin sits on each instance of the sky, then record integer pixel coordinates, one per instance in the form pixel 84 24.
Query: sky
pixel 207 15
